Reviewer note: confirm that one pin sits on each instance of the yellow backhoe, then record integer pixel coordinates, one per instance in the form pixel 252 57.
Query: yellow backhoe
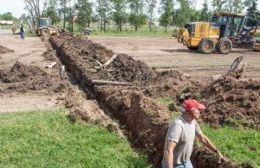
pixel 225 31
pixel 44 27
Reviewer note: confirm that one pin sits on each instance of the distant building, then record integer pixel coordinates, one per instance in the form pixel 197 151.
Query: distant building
pixel 6 22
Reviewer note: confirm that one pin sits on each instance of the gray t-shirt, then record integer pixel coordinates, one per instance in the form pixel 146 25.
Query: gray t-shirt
pixel 183 133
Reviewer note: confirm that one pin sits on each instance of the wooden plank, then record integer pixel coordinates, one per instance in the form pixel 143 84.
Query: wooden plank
pixel 110 61
pixel 105 82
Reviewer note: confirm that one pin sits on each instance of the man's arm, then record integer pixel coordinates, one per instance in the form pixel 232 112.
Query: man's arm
pixel 206 141
pixel 169 155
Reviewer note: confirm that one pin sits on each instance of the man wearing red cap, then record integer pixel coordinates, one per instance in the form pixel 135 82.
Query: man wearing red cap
pixel 180 137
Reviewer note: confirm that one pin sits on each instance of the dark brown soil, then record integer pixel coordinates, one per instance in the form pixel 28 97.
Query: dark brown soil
pixel 88 111
pixel 49 55
pixel 230 101
pixel 90 55
pixel 125 68
pixel 4 50
pixel 145 120
pixel 202 158
pixel 22 78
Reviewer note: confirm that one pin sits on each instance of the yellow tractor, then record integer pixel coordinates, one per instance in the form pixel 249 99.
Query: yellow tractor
pixel 44 27
pixel 226 30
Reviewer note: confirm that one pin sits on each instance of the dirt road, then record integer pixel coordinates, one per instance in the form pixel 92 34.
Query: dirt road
pixel 29 53
pixel 166 53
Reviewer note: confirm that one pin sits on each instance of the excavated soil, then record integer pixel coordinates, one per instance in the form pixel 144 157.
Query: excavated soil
pixel 230 101
pixel 145 120
pixel 125 68
pixel 49 55
pixel 91 56
pixel 4 50
pixel 22 78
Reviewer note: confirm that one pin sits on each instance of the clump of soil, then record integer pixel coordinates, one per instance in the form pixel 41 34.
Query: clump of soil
pixel 201 158
pixel 88 111
pixel 49 55
pixel 22 78
pixel 230 101
pixel 20 72
pixel 88 51
pixel 4 50
pixel 125 68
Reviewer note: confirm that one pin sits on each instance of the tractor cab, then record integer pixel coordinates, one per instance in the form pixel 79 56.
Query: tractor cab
pixel 230 24
pixel 44 22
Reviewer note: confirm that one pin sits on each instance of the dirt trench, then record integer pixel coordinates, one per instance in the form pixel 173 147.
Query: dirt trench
pixel 145 120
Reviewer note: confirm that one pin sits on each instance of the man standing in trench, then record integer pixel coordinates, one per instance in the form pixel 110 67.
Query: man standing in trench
pixel 180 137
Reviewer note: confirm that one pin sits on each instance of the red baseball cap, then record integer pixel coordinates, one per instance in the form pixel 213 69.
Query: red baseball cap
pixel 191 105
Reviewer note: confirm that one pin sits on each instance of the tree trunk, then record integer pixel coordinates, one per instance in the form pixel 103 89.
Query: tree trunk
pixel 72 24
pixel 104 26
pixel 120 28
pixel 64 22
pixel 136 27
pixel 101 23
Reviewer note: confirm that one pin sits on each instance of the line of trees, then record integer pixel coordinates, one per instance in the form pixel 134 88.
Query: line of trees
pixel 7 16
pixel 134 12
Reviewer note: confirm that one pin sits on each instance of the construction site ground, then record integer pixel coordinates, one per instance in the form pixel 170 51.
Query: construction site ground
pixel 165 53
pixel 100 86
pixel 28 52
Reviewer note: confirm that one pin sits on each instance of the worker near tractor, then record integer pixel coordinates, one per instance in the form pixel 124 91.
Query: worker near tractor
pixel 21 32
pixel 181 135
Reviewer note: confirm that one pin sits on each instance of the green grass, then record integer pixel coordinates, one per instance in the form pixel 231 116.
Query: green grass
pixel 142 32
pixel 238 144
pixel 165 100
pixel 168 102
pixel 48 139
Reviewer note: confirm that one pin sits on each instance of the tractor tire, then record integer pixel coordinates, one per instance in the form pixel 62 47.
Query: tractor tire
pixel 206 46
pixel 224 46
pixel 192 48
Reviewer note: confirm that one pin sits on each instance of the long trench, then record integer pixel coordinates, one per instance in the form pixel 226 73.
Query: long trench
pixel 145 120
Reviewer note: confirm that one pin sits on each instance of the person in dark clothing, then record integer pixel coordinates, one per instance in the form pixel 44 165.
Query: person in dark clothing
pixel 22 32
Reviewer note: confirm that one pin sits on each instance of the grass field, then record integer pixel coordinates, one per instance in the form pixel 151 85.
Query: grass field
pixel 48 139
pixel 132 33
pixel 238 144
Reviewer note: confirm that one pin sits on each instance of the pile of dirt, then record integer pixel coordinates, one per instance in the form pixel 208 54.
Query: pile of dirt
pixel 20 73
pixel 125 68
pixel 4 50
pixel 93 56
pixel 201 158
pixel 22 78
pixel 49 55
pixel 88 111
pixel 231 101
pixel 171 84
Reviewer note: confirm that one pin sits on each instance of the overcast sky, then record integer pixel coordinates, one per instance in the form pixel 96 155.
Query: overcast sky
pixel 17 6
